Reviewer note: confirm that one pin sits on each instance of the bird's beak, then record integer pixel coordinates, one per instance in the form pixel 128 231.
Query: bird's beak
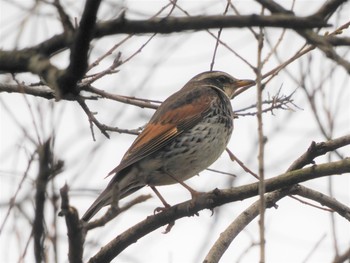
pixel 239 86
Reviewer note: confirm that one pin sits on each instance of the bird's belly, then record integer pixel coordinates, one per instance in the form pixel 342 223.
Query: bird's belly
pixel 189 154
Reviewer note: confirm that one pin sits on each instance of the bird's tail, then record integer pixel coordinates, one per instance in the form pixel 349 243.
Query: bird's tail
pixel 115 190
pixel 104 199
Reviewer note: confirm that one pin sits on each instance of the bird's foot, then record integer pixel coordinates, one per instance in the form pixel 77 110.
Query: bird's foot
pixel 160 209
pixel 195 195
pixel 169 227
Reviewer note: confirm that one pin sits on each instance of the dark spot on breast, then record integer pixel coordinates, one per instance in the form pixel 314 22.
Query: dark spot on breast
pixel 184 150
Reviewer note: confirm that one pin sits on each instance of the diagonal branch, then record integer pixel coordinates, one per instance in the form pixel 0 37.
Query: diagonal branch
pixel 214 199
pixel 325 200
pixel 311 37
pixel 318 149
pixel 231 232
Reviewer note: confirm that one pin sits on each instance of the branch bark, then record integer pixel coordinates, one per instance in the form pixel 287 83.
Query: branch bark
pixel 311 37
pixel 79 50
pixel 76 235
pixel 18 61
pixel 214 199
pixel 45 156
pixel 244 219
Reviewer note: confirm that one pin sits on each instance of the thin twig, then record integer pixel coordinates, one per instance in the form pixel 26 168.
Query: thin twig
pixel 92 119
pixel 113 212
pixel 245 168
pixel 262 140
pixel 217 40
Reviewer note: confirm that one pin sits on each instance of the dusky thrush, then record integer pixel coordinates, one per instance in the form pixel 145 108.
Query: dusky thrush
pixel 187 133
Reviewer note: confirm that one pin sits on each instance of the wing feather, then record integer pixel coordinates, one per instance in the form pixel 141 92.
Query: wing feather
pixel 179 113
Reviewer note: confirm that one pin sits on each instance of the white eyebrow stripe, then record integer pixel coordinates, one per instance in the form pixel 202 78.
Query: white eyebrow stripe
pixel 213 75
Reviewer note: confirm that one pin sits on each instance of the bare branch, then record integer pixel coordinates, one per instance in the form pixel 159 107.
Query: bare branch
pixel 43 92
pixel 245 168
pixel 325 200
pixel 343 257
pixel 318 149
pixel 179 24
pixel 92 119
pixel 45 158
pixel 79 50
pixel 48 168
pixel 310 36
pixel 122 25
pixel 232 231
pixel 113 212
pixel 128 100
pixel 76 236
pixel 211 200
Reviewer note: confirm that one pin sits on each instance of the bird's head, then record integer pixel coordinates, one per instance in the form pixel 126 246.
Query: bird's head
pixel 223 82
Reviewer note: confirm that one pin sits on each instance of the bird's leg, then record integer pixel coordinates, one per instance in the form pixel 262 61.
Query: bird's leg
pixel 161 198
pixel 160 209
pixel 193 192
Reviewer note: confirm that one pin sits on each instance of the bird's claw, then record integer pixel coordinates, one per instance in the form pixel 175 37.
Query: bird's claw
pixel 160 209
pixel 169 227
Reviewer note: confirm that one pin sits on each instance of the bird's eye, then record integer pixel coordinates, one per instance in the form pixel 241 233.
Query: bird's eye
pixel 222 79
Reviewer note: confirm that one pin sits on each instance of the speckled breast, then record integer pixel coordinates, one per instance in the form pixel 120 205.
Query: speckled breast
pixel 197 148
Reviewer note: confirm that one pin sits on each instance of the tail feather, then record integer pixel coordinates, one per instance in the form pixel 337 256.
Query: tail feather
pixel 105 198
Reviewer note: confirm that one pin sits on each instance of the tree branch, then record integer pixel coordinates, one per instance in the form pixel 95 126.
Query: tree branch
pixel 79 50
pixel 43 92
pixel 180 24
pixel 244 219
pixel 226 238
pixel 325 200
pixel 318 149
pixel 45 158
pixel 17 61
pixel 214 199
pixel 75 233
pixel 311 37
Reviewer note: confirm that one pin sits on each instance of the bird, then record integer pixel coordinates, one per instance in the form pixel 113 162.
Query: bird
pixel 186 134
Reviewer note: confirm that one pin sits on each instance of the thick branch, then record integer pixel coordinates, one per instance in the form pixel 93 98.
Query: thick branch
pixel 338 41
pixel 79 50
pixel 45 156
pixel 328 8
pixel 250 213
pixel 343 258
pixel 43 92
pixel 75 233
pixel 325 200
pixel 213 199
pixel 29 60
pixel 311 37
pixel 318 149
pixel 321 43
pixel 244 219
pixel 17 61
pixel 179 24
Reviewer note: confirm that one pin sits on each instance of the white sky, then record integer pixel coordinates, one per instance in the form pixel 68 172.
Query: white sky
pixel 162 68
